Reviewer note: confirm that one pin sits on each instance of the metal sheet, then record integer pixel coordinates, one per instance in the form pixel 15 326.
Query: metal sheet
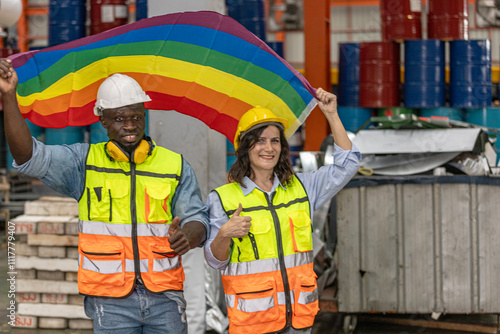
pixel 416 249
pixel 416 141
pixel 488 232
pixel 419 248
pixel 407 164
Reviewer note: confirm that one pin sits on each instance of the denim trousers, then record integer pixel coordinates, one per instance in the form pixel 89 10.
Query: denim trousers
pixel 143 312
pixel 292 330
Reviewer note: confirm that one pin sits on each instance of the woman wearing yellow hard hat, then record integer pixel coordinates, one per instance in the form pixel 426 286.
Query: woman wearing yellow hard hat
pixel 261 238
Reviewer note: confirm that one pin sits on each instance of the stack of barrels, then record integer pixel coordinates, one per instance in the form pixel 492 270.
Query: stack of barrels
pixel 251 15
pixel 370 79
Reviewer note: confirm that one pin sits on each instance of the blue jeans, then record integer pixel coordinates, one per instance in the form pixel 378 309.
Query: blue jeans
pixel 292 330
pixel 141 312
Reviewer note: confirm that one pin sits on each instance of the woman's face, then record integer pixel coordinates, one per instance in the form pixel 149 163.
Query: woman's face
pixel 264 155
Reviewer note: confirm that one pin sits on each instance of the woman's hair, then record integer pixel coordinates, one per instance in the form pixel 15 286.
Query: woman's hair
pixel 241 167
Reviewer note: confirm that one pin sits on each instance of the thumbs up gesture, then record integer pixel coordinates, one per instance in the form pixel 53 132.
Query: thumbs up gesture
pixel 178 239
pixel 237 226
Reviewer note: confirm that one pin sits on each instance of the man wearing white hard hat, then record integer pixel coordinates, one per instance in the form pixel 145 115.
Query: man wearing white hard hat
pixel 140 209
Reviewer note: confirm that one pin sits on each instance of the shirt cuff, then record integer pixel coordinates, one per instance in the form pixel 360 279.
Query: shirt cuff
pixel 341 156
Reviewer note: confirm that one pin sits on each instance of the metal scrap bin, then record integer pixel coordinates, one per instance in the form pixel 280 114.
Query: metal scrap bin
pixel 419 244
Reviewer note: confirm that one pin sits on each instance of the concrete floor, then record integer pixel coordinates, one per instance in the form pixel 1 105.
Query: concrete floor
pixel 326 322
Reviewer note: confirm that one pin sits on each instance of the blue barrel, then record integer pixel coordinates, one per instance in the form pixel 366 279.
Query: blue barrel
pixel 233 8
pixel 9 159
pixel 488 117
pixel 250 13
pixel 36 131
pixel 141 9
pixel 348 83
pixel 66 20
pixel 68 135
pixel 452 113
pixel 230 158
pixel 97 134
pixel 424 76
pixel 277 47
pixel 354 118
pixel 296 144
pixel 470 73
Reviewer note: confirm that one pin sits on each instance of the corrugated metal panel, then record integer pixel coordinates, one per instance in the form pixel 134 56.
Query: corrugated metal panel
pixel 419 248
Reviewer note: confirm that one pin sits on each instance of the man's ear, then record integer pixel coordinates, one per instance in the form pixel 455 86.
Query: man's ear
pixel 103 122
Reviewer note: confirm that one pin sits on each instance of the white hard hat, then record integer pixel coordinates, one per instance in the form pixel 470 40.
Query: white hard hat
pixel 118 90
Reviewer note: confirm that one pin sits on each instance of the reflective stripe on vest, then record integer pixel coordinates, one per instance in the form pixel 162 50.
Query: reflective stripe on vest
pixel 263 304
pixel 125 215
pixel 267 265
pixel 122 230
pixel 270 274
pixel 115 267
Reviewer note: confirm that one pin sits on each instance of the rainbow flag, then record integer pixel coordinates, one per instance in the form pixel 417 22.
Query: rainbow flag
pixel 202 64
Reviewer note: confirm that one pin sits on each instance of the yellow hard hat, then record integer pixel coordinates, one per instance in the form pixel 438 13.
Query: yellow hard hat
pixel 255 116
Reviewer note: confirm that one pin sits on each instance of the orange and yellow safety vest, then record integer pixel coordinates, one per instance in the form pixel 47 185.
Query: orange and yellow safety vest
pixel 124 218
pixel 269 283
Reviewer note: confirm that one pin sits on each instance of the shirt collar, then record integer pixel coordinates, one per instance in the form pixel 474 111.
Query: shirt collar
pixel 250 185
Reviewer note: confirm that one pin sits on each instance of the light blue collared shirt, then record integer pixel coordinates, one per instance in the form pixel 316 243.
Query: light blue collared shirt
pixel 62 168
pixel 320 185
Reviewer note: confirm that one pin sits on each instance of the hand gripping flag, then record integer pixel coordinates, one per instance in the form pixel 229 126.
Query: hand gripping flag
pixel 202 64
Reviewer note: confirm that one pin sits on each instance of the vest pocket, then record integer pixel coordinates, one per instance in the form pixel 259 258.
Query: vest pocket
pixel 162 265
pixel 306 296
pixel 255 302
pixel 156 206
pixel 98 201
pixel 102 264
pixel 119 200
pixel 263 241
pixel 300 227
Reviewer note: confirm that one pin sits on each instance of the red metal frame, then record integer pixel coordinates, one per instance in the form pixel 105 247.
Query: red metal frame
pixel 317 65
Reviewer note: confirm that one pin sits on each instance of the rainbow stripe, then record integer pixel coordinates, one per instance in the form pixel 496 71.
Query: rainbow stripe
pixel 201 64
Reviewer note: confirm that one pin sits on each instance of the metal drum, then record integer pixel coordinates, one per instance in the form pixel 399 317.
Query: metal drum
pixel 448 19
pixel 424 84
pixel 141 9
pixel 452 113
pixel 66 20
pixel 68 135
pixel 296 146
pixel 107 14
pixel 395 112
pixel 97 133
pixel 401 19
pixel 353 118
pixel 379 76
pixel 250 13
pixel 8 51
pixel 277 47
pixel 348 83
pixel 470 73
pixel 488 117
pixel 231 157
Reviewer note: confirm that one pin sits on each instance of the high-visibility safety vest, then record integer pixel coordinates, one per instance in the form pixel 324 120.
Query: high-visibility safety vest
pixel 124 218
pixel 269 283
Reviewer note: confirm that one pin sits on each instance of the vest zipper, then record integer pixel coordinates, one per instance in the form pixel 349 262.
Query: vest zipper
pixel 133 216
pixel 281 258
